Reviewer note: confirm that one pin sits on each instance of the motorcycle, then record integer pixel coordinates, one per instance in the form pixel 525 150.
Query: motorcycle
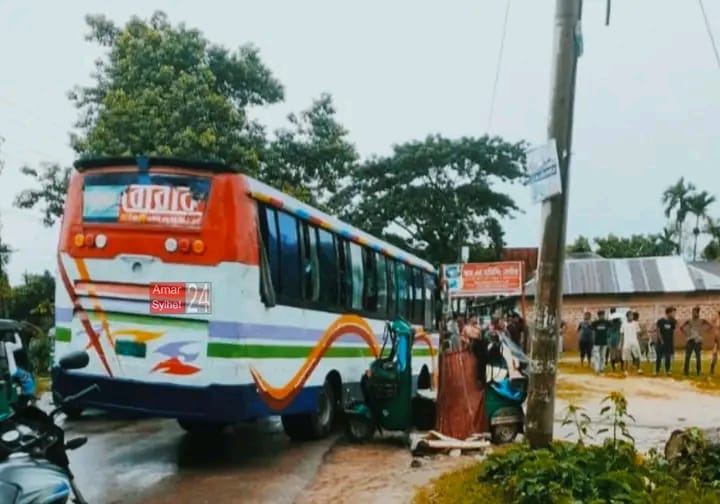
pixel 34 467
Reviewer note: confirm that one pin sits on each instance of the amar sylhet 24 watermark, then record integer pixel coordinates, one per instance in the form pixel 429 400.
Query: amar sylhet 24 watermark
pixel 176 298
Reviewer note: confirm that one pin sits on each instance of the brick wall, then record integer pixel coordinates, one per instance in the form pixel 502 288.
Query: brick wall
pixel 650 308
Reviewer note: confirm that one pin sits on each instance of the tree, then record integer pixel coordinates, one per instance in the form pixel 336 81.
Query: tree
pixel 314 158
pixel 166 90
pixel 33 300
pixel 51 186
pixel 675 198
pixel 637 245
pixel 712 249
pixel 698 204
pixel 433 196
pixel 581 245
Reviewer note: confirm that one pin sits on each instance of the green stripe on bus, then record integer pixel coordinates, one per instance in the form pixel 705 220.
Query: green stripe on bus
pixel 63 334
pixel 150 320
pixel 234 351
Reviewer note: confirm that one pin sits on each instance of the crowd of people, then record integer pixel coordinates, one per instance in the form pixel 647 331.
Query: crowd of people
pixel 459 332
pixel 621 343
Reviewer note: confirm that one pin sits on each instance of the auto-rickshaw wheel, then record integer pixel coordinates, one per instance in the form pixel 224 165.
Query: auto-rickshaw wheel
pixel 359 428
pixel 504 433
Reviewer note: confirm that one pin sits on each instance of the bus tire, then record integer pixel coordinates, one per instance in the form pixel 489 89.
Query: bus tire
pixel 201 427
pixel 316 425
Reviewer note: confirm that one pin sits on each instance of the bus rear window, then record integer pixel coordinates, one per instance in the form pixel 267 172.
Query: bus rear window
pixel 159 199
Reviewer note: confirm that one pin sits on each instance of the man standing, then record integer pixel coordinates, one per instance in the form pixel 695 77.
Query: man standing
pixel 694 330
pixel 630 344
pixel 586 337
pixel 664 342
pixel 601 326
pixel 453 333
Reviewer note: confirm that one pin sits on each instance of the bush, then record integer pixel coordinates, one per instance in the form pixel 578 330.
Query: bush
pixel 575 472
pixel 39 354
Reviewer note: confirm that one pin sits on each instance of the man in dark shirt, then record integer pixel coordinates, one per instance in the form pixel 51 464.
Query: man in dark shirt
pixel 601 326
pixel 664 346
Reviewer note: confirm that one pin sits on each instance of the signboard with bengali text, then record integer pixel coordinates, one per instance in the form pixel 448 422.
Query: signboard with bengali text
pixel 484 279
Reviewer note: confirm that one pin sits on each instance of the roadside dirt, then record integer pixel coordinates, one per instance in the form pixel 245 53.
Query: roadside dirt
pixel 381 471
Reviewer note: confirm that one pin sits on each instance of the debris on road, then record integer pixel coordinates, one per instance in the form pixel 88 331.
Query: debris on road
pixel 433 442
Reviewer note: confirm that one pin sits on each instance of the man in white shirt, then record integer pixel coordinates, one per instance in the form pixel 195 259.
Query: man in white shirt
pixel 630 343
pixel 24 378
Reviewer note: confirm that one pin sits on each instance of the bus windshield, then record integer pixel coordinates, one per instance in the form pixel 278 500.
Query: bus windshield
pixel 155 198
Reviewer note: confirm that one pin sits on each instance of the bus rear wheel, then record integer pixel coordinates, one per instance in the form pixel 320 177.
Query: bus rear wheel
pixel 316 425
pixel 201 427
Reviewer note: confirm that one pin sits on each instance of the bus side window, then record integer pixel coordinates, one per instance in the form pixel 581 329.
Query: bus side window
pixel 382 288
pixel 356 269
pixel 344 273
pixel 370 290
pixel 392 294
pixel 290 258
pixel 401 287
pixel 420 300
pixel 272 243
pixel 429 300
pixel 328 258
pixel 311 273
pixel 410 276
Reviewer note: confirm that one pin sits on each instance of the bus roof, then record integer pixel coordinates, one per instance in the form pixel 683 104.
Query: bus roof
pixel 143 162
pixel 267 194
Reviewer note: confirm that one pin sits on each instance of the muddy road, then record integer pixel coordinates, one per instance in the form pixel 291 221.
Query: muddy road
pixel 154 461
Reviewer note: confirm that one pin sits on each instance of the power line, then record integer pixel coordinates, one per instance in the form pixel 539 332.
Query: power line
pixel 499 65
pixel 709 32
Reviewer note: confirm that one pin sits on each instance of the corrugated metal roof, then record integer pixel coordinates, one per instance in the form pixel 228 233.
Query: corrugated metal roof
pixel 627 276
pixel 706 275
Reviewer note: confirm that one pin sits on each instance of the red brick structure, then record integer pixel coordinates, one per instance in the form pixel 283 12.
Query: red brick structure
pixel 646 285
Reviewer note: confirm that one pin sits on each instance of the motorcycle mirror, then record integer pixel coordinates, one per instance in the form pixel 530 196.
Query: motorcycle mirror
pixel 74 360
pixel 10 436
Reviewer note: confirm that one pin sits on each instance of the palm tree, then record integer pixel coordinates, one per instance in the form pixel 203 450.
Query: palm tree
pixel 698 205
pixel 675 198
pixel 712 249
pixel 666 241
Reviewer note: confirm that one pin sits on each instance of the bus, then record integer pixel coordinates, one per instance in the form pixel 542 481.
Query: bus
pixel 206 296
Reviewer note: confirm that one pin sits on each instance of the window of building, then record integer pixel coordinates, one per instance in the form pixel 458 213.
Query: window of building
pixel 328 258
pixel 290 290
pixel 382 288
pixel 356 267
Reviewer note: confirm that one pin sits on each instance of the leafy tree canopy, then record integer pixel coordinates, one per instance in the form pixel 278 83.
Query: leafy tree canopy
pixel 166 90
pixel 435 195
pixel 314 156
pixel 637 245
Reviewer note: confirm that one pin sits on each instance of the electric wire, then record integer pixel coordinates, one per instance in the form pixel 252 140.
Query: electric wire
pixel 709 32
pixel 498 66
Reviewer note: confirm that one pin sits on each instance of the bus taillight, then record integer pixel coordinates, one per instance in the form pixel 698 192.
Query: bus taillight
pixel 185 245
pixel 79 240
pixel 198 246
pixel 89 240
pixel 100 241
pixel 171 244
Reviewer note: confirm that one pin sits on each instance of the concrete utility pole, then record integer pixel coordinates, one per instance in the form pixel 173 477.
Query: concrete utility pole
pixel 549 286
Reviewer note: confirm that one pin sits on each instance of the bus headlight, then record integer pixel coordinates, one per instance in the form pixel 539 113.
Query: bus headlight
pixel 171 245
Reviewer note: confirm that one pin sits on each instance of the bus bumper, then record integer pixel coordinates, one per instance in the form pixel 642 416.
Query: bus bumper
pixel 217 403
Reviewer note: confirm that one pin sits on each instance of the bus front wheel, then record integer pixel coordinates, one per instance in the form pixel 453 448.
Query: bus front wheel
pixel 201 427
pixel 317 425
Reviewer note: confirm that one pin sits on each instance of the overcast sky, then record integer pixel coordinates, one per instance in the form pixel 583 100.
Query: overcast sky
pixel 647 105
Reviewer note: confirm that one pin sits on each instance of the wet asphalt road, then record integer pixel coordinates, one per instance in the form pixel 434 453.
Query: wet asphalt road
pixel 154 461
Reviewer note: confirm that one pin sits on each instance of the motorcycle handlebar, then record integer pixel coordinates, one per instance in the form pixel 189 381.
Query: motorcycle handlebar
pixel 80 394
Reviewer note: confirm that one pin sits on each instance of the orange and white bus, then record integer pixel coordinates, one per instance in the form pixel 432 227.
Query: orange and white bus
pixel 207 296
